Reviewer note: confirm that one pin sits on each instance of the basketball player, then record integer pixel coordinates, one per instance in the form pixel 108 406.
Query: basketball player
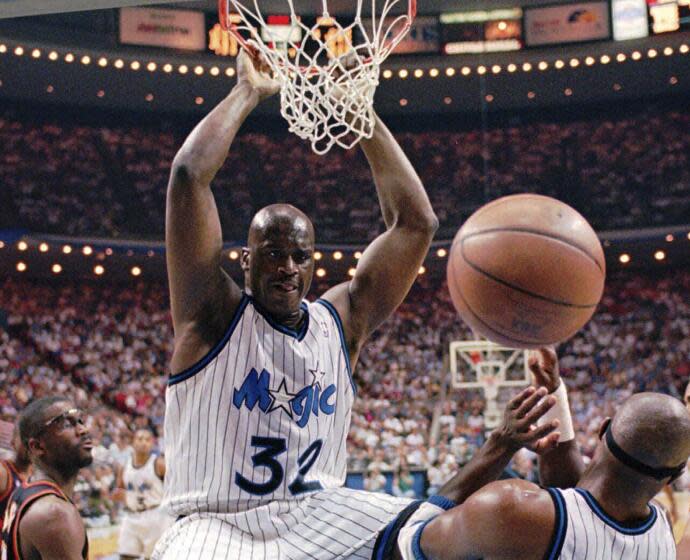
pixel 684 486
pixel 13 472
pixel 41 522
pixel 608 515
pixel 140 479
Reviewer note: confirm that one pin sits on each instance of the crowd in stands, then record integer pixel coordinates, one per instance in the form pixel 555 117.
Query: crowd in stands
pixel 107 346
pixel 110 180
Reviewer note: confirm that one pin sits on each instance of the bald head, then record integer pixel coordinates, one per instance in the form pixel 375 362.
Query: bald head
pixel 277 220
pixel 654 429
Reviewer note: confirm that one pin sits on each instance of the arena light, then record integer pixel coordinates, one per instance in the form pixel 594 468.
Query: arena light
pixel 151 66
pixel 488 98
pixel 337 256
pixel 19 51
pixel 668 51
pixel 450 72
pixel 136 271
pixel 403 74
pixel 481 70
pixel 2 244
pixel 103 62
pixel 234 255
pixel 100 93
pixel 511 67
pixel 526 67
pixel 87 250
pixel 148 97
pixel 466 70
pixel 22 245
pixel 56 268
pixel 36 53
pixel 21 267
pixel 636 55
pixel 150 253
pixel 673 80
pixel 230 72
pixel 559 64
pixel 419 73
pixel 404 102
pixel 589 61
pixel 496 69
pixel 3 48
pixel 574 62
pixel 531 95
pixel 86 60
pixel 318 255
pixel 684 49
pixel 620 57
pixel 98 270
pixel 119 64
pixel 351 272
pixel 183 69
pixel 624 258
pixel 669 238
pixel 69 58
pixel 198 70
pixel 543 65
pixel 567 92
pixel 448 100
pixel 422 269
pixel 167 68
pixel 689 236
pixel 387 74
pixel 109 251
pixel 199 100
pixel 433 73
pixel 441 253
pixel 43 247
pixel 50 89
pixel 66 249
pixel 321 272
pixel 358 255
pixel 617 87
pixel 605 59
pixel 652 53
pixel 214 71
pixel 135 65
pixel 660 255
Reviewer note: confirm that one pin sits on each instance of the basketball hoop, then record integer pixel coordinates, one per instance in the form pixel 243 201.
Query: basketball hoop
pixel 328 81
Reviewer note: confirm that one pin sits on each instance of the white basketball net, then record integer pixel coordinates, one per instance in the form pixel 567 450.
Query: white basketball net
pixel 327 82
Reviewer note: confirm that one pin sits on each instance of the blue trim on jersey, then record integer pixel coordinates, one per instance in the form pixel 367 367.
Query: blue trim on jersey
pixel 334 312
pixel 442 502
pixel 601 514
pixel 201 364
pixel 299 335
pixel 560 527
pixel 416 541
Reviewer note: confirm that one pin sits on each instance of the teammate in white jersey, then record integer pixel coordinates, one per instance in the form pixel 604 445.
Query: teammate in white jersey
pixel 609 515
pixel 140 484
pixel 259 401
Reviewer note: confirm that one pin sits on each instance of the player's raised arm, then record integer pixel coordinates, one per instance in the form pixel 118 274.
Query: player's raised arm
pixel 202 295
pixel 391 263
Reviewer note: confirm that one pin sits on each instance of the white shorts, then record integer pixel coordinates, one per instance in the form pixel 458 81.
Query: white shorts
pixel 140 532
pixel 337 523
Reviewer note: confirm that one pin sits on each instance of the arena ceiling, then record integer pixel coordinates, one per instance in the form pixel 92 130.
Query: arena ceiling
pixel 18 8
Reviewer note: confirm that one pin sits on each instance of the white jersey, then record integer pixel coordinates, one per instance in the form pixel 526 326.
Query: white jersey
pixel 263 417
pixel 143 487
pixel 585 531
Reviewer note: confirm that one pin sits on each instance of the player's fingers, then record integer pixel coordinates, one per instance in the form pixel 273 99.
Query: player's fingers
pixel 538 432
pixel 530 401
pixel 539 410
pixel 546 443
pixel 518 399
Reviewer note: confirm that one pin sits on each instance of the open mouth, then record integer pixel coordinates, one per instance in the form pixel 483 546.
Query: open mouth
pixel 285 287
pixel 87 444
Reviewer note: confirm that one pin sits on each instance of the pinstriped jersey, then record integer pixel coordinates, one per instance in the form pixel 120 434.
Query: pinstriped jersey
pixel 264 416
pixel 585 531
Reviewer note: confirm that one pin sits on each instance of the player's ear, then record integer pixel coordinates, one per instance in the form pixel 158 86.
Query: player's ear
pixel 604 426
pixel 35 447
pixel 244 259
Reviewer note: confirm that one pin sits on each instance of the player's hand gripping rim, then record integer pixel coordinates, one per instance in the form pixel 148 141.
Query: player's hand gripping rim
pixel 253 69
pixel 519 427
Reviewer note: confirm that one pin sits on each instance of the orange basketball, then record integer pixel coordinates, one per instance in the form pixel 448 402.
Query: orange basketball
pixel 526 271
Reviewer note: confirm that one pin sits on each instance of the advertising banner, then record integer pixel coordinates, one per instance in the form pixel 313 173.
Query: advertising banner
pixel 177 29
pixel 585 21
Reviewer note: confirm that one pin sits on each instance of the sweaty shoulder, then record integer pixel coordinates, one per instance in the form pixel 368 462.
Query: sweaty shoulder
pixel 53 527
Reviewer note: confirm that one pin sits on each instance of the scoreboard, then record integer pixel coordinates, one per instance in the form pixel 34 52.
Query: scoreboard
pixel 482 31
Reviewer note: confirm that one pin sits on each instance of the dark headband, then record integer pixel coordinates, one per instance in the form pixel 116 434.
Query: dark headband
pixel 658 473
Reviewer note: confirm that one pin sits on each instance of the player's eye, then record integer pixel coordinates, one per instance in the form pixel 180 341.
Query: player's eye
pixel 302 256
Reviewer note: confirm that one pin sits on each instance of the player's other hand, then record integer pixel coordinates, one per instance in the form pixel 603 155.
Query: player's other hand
pixel 519 427
pixel 543 364
pixel 255 71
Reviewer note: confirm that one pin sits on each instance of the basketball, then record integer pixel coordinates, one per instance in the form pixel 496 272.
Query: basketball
pixel 526 271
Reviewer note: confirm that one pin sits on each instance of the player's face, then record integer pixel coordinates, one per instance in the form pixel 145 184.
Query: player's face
pixel 143 442
pixel 66 440
pixel 280 266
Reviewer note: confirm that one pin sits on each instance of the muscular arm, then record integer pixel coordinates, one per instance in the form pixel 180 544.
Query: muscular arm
pixel 202 296
pixel 504 520
pixel 5 479
pixel 53 529
pixel 391 263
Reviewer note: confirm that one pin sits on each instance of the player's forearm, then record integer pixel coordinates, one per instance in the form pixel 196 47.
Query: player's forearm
pixel 485 467
pixel 403 200
pixel 561 467
pixel 205 149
